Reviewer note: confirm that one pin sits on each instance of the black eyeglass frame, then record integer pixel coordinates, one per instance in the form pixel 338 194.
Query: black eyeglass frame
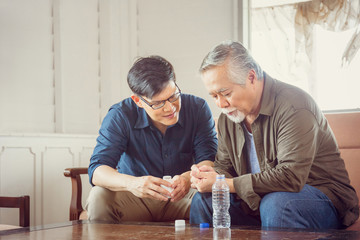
pixel 162 103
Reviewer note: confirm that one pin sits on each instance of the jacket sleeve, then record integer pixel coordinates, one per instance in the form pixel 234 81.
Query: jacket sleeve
pixel 223 162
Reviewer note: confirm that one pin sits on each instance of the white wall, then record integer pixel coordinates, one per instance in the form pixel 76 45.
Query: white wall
pixel 26 74
pixel 63 63
pixel 60 64
pixel 183 32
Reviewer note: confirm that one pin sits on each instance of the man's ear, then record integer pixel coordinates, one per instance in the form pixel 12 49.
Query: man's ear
pixel 136 100
pixel 252 76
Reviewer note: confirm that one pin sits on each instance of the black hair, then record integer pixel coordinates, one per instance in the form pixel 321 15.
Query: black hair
pixel 150 75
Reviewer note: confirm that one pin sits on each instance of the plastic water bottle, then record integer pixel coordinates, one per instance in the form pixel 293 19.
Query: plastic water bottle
pixel 221 233
pixel 221 203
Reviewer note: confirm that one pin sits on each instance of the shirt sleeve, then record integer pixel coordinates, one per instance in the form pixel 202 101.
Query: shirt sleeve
pixel 223 163
pixel 111 142
pixel 205 141
pixel 296 145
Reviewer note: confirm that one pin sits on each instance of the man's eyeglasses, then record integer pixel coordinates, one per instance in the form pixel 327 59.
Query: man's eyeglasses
pixel 160 104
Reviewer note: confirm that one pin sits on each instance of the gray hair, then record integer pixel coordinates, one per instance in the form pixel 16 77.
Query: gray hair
pixel 239 59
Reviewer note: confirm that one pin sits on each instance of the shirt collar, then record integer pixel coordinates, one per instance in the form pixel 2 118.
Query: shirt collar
pixel 181 120
pixel 268 100
pixel 143 120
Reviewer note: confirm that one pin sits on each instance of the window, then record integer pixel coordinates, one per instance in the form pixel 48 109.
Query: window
pixel 312 61
pixel 338 87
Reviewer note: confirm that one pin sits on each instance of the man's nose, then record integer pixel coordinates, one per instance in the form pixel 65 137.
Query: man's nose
pixel 168 106
pixel 221 102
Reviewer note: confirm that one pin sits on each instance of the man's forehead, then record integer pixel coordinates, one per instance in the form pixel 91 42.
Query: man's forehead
pixel 222 90
pixel 167 92
pixel 217 80
pixel 217 91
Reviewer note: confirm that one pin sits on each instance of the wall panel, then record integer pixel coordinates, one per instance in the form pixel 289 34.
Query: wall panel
pixel 26 74
pixel 34 164
pixel 79 65
pixel 55 185
pixel 17 177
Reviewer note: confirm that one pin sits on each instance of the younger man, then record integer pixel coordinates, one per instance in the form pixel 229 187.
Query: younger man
pixel 157 131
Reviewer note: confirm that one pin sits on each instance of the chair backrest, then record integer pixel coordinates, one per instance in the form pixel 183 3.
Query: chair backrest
pixel 23 203
pixel 76 208
pixel 346 128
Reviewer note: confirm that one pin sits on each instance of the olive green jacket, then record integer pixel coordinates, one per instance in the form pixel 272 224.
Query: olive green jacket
pixel 294 145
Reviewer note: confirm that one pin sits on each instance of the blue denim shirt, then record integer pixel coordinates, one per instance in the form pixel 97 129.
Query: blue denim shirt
pixel 129 142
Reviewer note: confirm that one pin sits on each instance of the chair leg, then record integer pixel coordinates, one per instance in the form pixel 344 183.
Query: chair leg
pixel 24 211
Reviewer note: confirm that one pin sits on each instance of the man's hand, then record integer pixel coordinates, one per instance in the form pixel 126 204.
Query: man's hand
pixel 181 186
pixel 149 187
pixel 202 178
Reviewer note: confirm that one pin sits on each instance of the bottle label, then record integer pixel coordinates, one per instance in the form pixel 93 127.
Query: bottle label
pixel 168 179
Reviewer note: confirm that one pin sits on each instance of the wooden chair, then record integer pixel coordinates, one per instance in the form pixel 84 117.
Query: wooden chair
pixel 76 210
pixel 23 203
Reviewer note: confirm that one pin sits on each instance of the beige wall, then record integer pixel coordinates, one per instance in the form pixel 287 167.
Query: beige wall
pixel 64 62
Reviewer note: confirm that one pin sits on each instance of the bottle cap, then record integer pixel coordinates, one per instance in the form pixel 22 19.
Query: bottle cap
pixel 220 176
pixel 180 223
pixel 167 177
pixel 204 225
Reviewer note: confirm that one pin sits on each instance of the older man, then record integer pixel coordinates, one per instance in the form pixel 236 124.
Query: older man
pixel 276 149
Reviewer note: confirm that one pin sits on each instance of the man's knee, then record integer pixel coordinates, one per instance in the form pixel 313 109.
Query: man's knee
pixel 200 210
pixel 99 195
pixel 99 204
pixel 200 200
pixel 271 203
pixel 294 210
pixel 273 206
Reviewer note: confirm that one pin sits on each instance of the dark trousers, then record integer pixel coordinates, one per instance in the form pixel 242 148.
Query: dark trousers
pixel 309 208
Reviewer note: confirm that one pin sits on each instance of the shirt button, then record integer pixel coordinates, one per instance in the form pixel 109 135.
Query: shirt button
pixel 166 155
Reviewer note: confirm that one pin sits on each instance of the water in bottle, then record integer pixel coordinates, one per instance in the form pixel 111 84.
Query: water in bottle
pixel 221 203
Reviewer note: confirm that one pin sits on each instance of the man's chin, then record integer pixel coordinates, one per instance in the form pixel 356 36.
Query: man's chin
pixel 236 119
pixel 171 121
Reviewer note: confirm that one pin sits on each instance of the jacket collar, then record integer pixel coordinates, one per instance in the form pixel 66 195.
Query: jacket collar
pixel 268 99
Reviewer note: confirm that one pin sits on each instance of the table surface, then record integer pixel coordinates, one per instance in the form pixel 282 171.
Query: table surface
pixel 147 231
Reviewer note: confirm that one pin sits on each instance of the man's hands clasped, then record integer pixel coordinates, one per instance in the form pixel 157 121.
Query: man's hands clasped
pixel 202 178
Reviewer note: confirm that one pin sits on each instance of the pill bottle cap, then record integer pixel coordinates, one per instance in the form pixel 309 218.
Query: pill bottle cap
pixel 204 225
pixel 180 223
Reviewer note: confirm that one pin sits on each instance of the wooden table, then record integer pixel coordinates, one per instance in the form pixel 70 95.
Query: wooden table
pixel 148 231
